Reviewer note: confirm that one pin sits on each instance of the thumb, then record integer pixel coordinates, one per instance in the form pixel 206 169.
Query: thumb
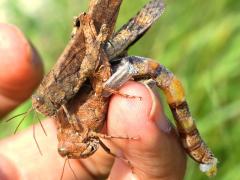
pixel 21 69
pixel 158 152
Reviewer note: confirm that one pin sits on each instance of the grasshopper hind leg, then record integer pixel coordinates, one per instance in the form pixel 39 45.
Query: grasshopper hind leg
pixel 191 140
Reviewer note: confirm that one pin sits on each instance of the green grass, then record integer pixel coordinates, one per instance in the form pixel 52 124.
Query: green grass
pixel 198 40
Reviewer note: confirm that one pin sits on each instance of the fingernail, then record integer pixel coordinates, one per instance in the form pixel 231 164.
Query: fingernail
pixel 157 113
pixel 164 125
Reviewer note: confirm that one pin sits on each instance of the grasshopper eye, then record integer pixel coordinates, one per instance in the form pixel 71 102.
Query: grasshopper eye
pixel 38 98
pixel 63 152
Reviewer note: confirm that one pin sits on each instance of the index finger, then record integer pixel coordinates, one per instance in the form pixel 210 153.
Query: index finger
pixel 21 68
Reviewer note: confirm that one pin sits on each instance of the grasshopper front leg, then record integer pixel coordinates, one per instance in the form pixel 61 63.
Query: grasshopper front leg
pixel 142 68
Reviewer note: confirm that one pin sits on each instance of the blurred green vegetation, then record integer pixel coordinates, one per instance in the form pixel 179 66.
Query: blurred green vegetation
pixel 198 40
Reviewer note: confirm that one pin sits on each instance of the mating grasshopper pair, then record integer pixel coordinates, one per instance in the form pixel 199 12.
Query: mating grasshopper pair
pixel 76 91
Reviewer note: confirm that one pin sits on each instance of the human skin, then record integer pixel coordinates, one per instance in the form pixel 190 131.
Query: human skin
pixel 157 154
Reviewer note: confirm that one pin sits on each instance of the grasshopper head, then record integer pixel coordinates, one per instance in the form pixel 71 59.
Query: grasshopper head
pixel 43 105
pixel 74 146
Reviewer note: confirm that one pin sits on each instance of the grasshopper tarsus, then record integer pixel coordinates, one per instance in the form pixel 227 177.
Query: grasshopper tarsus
pixel 105 136
pixel 116 92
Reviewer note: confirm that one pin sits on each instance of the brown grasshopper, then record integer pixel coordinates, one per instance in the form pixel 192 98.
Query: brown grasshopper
pixel 137 26
pixel 89 114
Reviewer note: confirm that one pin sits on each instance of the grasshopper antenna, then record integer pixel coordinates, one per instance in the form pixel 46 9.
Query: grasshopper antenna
pixel 15 116
pixel 61 178
pixel 25 115
pixel 74 174
pixel 63 169
pixel 35 139
pixel 45 132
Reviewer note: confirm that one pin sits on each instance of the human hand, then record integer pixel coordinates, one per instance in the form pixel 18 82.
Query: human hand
pixel 157 153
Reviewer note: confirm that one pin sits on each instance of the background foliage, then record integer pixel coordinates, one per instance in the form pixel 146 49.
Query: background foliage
pixel 198 40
